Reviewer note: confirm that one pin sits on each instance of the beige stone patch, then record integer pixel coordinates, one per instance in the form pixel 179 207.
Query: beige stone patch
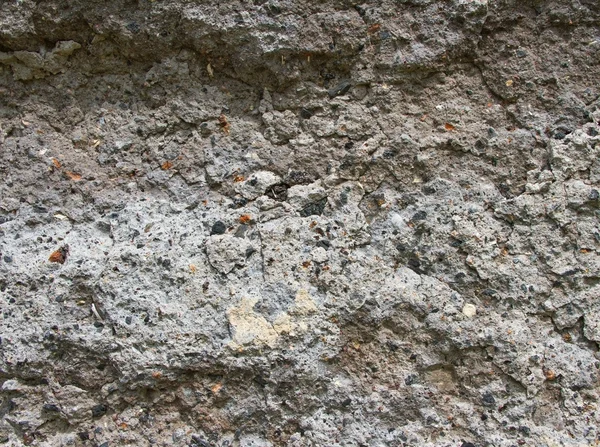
pixel 304 303
pixel 250 327
pixel 442 379
pixel 284 324
pixel 469 310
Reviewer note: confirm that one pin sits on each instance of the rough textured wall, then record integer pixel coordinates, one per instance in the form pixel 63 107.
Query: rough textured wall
pixel 299 223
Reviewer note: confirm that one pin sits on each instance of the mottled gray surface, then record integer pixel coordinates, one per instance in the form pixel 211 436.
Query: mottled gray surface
pixel 296 223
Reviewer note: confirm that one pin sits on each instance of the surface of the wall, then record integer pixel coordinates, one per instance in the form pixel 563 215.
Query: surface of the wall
pixel 299 223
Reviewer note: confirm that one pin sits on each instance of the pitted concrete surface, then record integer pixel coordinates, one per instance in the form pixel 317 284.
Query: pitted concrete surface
pixel 290 223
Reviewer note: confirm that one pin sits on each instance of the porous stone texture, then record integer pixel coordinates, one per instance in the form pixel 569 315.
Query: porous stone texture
pixel 297 223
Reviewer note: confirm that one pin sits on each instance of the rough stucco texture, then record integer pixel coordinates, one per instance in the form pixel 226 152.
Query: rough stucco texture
pixel 299 223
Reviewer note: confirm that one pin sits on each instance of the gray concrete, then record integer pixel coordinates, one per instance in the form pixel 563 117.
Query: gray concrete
pixel 299 223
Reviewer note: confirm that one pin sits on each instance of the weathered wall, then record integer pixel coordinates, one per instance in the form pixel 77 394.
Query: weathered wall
pixel 299 223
